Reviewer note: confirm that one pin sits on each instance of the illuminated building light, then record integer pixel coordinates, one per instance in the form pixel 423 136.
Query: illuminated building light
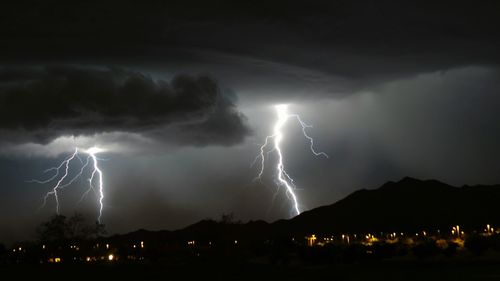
pixel 111 257
pixel 311 240
pixel 346 238
pixel 489 229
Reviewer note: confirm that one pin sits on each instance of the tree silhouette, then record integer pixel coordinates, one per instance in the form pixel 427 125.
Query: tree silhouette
pixel 54 230
pixel 79 228
pixel 59 229
pixel 227 218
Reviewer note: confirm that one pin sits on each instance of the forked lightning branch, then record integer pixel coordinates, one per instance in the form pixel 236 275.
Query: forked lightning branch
pixel 61 178
pixel 274 142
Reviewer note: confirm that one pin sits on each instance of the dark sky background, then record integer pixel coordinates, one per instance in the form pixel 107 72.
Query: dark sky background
pixel 181 94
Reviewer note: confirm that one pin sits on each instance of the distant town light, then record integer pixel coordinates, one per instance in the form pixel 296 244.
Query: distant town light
pixel 489 229
pixel 111 257
pixel 311 240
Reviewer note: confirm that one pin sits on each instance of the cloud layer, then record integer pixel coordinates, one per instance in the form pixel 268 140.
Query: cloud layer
pixel 39 105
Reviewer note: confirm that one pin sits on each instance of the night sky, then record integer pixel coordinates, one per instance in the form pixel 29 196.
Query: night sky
pixel 181 95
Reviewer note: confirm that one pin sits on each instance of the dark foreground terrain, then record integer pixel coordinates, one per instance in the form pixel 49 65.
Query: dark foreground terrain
pixel 381 234
pixel 476 269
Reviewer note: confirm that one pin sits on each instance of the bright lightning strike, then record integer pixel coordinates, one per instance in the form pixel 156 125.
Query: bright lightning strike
pixel 63 170
pixel 274 140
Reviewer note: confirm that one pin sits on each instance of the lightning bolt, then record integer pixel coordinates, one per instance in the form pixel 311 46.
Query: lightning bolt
pixel 63 170
pixel 274 140
pixel 92 152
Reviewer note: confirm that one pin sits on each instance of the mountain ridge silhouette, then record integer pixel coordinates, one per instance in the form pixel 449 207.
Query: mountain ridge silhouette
pixel 408 205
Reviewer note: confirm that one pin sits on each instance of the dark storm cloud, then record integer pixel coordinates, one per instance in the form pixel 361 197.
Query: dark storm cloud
pixel 357 39
pixel 38 105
